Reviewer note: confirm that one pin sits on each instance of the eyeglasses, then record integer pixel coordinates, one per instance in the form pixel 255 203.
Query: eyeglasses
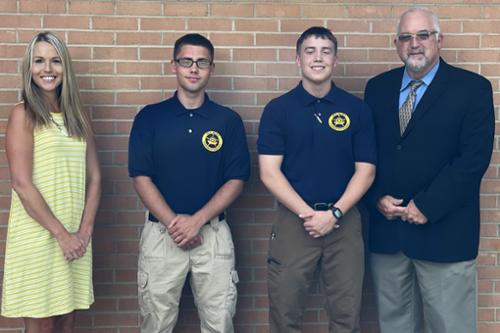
pixel 419 36
pixel 202 63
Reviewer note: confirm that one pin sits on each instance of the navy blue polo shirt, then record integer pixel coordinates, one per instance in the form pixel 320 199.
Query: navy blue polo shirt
pixel 188 153
pixel 320 140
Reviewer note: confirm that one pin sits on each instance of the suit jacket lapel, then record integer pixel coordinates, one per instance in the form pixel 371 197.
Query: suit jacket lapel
pixel 435 89
pixel 393 103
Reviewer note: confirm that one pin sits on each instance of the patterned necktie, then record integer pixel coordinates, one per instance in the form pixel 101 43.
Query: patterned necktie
pixel 407 107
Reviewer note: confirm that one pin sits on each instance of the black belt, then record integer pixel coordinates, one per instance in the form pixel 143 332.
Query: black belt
pixel 321 205
pixel 222 217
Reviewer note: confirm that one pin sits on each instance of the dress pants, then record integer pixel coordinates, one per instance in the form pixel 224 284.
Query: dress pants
pixel 413 294
pixel 293 258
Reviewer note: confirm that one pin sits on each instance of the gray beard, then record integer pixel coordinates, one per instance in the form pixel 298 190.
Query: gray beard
pixel 417 67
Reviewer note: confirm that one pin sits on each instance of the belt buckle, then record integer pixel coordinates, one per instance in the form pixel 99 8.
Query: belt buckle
pixel 321 206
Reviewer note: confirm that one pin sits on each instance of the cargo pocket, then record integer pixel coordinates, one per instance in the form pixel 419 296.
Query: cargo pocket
pixel 145 301
pixel 232 293
pixel 224 246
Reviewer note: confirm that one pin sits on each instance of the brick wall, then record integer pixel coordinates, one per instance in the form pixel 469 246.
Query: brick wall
pixel 121 51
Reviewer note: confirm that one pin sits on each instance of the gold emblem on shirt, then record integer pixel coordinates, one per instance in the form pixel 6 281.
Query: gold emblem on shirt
pixel 212 141
pixel 339 121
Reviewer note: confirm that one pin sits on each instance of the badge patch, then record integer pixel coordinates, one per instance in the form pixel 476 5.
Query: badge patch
pixel 339 121
pixel 212 141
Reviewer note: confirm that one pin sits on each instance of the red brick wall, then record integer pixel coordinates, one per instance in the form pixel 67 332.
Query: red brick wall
pixel 121 51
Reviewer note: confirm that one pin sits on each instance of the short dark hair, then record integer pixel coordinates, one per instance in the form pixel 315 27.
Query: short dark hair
pixel 193 39
pixel 318 32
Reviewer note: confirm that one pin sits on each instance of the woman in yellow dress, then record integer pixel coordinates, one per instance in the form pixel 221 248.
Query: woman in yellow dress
pixel 56 189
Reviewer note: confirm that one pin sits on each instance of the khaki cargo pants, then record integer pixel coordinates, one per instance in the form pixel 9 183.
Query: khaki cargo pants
pixel 163 268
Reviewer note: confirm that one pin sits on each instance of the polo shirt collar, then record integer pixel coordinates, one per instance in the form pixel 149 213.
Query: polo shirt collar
pixel 203 110
pixel 307 99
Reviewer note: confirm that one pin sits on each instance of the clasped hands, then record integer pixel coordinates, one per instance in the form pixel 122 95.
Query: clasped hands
pixel 319 223
pixel 391 208
pixel 73 245
pixel 184 230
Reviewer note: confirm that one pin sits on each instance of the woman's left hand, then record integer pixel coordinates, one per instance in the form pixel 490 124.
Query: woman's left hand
pixel 85 237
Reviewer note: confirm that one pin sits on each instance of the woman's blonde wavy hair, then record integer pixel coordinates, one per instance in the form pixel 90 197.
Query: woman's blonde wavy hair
pixel 37 107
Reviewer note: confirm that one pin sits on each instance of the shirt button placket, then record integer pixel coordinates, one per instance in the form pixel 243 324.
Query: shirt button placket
pixel 190 116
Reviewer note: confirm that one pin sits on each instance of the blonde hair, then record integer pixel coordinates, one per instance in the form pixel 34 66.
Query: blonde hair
pixel 68 95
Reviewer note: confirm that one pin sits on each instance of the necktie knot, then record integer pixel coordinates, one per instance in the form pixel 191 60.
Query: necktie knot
pixel 415 84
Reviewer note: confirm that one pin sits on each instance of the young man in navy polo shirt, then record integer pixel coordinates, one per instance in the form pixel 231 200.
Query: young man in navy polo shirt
pixel 317 156
pixel 189 159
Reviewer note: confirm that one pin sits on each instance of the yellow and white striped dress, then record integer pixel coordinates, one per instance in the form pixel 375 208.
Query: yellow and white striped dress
pixel 38 281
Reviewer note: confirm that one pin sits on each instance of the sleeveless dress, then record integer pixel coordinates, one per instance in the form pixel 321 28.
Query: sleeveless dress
pixel 38 281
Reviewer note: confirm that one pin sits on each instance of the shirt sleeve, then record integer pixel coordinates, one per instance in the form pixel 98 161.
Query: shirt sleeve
pixel 271 139
pixel 364 142
pixel 237 159
pixel 140 151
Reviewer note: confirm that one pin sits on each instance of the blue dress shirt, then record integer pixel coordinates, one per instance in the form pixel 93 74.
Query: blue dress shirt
pixel 405 86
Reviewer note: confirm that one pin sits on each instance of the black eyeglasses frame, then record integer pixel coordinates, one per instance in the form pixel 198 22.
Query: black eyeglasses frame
pixel 201 63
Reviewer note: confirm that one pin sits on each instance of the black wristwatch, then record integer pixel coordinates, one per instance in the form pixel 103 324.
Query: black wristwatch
pixel 337 212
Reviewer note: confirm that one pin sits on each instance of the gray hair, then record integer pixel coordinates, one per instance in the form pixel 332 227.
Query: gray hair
pixel 435 18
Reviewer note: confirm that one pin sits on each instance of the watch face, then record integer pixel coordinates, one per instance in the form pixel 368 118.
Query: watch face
pixel 337 213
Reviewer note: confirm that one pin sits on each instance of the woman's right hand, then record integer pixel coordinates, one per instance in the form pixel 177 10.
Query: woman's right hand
pixel 73 247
